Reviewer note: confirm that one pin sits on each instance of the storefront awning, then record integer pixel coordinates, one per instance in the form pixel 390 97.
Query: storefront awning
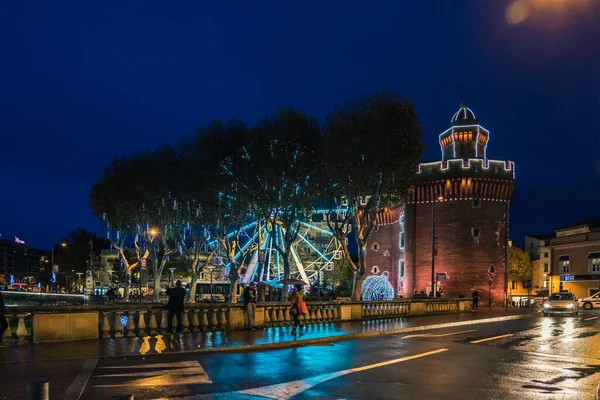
pixel 593 255
pixel 564 258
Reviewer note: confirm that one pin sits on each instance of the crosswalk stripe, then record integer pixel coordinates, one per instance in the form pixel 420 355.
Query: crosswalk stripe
pixel 164 374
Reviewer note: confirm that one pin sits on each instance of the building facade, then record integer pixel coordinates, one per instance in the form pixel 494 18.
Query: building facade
pixel 575 258
pixel 538 248
pixel 456 217
pixel 21 264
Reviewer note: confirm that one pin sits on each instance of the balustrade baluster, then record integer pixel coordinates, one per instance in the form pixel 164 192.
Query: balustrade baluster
pixel 152 323
pixel 286 316
pixel 280 319
pixel 21 329
pixel 267 316
pixel 130 324
pixel 118 328
pixel 213 319
pixel 274 321
pixel 164 323
pixel 335 312
pixel 105 325
pixel 204 319
pixel 185 322
pixel 223 318
pixel 142 323
pixel 319 315
pixel 195 321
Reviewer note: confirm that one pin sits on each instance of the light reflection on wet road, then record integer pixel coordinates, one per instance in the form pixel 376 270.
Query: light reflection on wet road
pixel 505 363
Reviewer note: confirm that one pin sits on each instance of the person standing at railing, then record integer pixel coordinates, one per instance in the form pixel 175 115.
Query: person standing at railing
pixel 250 296
pixel 475 298
pixel 3 321
pixel 175 306
pixel 298 307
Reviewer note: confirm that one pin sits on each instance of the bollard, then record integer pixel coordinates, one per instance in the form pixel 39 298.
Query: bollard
pixel 38 390
pixel 123 397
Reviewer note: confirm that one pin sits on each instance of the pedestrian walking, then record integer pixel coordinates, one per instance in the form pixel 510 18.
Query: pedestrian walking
pixel 250 295
pixel 3 321
pixel 175 305
pixel 298 308
pixel 475 299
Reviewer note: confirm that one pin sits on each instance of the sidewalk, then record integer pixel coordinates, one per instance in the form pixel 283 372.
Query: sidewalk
pixel 247 340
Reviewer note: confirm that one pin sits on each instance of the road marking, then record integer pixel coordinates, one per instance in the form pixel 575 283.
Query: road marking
pixel 491 338
pixel 438 335
pixel 164 374
pixel 590 318
pixel 288 390
pixel 291 389
pixel 74 391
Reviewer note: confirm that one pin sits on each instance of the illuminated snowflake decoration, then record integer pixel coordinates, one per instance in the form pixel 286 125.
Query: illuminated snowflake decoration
pixel 124 320
pixel 377 287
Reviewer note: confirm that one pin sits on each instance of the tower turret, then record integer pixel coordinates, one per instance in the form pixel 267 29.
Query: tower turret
pixel 465 138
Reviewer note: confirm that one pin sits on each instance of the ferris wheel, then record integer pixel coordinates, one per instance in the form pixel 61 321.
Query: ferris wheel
pixel 314 252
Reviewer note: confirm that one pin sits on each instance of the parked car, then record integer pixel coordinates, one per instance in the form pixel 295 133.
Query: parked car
pixel 590 302
pixel 561 302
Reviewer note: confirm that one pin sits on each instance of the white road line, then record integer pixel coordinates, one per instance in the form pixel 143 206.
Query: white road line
pixel 491 338
pixel 74 391
pixel 590 318
pixel 438 335
pixel 291 389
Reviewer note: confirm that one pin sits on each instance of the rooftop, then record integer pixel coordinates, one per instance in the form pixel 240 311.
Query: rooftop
pixel 592 223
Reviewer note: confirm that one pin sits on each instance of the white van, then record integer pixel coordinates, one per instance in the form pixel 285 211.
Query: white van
pixel 590 302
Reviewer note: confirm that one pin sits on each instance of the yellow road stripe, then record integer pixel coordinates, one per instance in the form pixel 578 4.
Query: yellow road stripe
pixel 397 360
pixel 491 338
pixel 438 335
pixel 590 318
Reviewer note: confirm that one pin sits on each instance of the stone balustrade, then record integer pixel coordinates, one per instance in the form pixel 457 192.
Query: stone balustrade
pixel 64 323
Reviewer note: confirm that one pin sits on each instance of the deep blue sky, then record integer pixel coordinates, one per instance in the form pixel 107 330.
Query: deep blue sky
pixel 83 82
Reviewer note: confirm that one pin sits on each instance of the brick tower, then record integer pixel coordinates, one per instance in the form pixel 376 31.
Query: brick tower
pixel 462 201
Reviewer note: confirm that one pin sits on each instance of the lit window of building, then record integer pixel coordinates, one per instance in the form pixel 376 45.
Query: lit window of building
pixel 564 264
pixel 401 268
pixel 594 262
pixel 401 240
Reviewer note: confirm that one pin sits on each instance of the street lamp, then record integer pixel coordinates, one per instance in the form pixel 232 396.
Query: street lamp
pixel 79 280
pixel 172 279
pixel 63 244
pixel 210 268
pixel 433 246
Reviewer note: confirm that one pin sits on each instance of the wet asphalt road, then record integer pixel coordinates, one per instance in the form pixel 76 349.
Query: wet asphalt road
pixel 533 358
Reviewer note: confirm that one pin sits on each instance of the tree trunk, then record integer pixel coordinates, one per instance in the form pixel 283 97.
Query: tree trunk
pixel 359 274
pixel 156 294
pixel 233 289
pixel 286 275
pixel 127 286
pixel 194 279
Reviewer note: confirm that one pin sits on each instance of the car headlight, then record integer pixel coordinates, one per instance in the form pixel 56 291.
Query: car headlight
pixel 546 305
pixel 570 306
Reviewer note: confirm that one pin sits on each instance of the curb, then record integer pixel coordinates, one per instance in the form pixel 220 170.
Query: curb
pixel 327 339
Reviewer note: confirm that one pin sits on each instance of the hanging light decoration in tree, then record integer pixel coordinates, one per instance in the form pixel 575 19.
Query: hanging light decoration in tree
pixel 377 287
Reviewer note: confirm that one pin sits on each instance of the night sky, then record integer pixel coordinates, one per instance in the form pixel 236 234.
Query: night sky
pixel 84 82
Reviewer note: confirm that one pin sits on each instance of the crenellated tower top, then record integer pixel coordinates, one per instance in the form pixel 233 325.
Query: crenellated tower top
pixel 465 138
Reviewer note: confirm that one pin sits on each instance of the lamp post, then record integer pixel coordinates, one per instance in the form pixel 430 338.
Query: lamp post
pixel 79 279
pixel 172 279
pixel 63 244
pixel 433 246
pixel 210 269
